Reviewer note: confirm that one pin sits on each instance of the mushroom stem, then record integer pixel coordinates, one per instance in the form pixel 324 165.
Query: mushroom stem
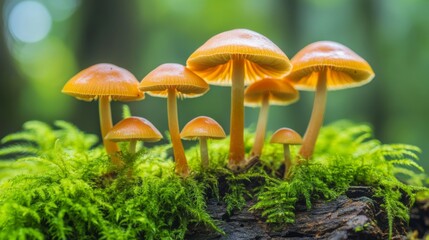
pixel 287 159
pixel 132 146
pixel 106 125
pixel 316 120
pixel 236 145
pixel 173 124
pixel 204 153
pixel 261 127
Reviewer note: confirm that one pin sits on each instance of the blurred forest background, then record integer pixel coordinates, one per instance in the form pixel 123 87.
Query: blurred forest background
pixel 43 43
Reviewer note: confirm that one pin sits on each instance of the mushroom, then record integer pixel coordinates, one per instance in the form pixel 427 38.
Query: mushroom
pixel 202 128
pixel 323 66
pixel 133 129
pixel 263 93
pixel 286 136
pixel 170 81
pixel 105 82
pixel 236 58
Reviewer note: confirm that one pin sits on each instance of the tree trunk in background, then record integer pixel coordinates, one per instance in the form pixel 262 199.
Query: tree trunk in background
pixel 102 30
pixel 9 85
pixel 378 110
pixel 289 14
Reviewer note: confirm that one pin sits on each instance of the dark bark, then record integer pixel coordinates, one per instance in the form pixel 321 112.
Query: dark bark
pixel 419 219
pixel 355 215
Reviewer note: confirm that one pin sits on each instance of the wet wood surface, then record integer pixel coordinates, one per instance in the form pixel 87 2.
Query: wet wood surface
pixel 355 215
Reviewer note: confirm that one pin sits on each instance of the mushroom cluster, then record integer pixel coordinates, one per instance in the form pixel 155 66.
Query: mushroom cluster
pixel 233 58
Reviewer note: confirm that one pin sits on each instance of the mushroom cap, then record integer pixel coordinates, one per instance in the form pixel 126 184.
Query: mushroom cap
pixel 134 128
pixel 101 80
pixel 286 136
pixel 345 69
pixel 212 61
pixel 172 75
pixel 202 127
pixel 279 92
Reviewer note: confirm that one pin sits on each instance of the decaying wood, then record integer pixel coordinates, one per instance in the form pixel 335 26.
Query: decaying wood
pixel 355 215
pixel 419 219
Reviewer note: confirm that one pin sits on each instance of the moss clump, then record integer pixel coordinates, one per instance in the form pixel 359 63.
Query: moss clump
pixel 69 192
pixel 346 155
pixel 54 183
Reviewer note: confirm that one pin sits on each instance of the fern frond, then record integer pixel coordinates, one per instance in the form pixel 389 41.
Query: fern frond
pixel 72 136
pixel 126 112
pixel 10 152
pixel 19 136
pixel 406 162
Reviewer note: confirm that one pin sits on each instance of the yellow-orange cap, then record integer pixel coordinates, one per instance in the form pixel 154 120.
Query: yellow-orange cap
pixel 176 76
pixel 212 61
pixel 101 80
pixel 202 127
pixel 344 67
pixel 134 128
pixel 286 136
pixel 279 92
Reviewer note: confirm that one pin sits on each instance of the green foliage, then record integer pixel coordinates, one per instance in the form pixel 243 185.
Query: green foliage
pixel 55 183
pixel 71 192
pixel 345 155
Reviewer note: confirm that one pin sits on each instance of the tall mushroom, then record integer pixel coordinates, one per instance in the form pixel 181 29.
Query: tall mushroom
pixel 323 66
pixel 133 129
pixel 202 128
pixel 286 136
pixel 170 81
pixel 236 58
pixel 263 93
pixel 105 82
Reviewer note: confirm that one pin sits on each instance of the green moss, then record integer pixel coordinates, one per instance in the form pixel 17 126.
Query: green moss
pixel 361 228
pixel 346 155
pixel 56 183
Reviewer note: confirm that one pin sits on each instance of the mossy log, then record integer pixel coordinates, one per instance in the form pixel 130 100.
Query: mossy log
pixel 355 215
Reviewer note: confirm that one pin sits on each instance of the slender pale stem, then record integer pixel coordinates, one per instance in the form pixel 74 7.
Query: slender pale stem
pixel 204 153
pixel 236 145
pixel 173 124
pixel 132 147
pixel 288 162
pixel 316 120
pixel 105 125
pixel 261 127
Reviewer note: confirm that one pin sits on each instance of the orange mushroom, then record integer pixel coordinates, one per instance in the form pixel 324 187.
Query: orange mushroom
pixel 263 93
pixel 202 128
pixel 105 82
pixel 133 129
pixel 286 136
pixel 238 57
pixel 170 81
pixel 323 66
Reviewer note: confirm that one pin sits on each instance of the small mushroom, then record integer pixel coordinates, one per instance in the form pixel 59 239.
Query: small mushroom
pixel 105 82
pixel 236 58
pixel 202 128
pixel 134 129
pixel 323 66
pixel 286 136
pixel 264 93
pixel 170 81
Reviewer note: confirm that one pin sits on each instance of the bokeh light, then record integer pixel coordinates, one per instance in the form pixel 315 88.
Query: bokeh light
pixel 29 21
